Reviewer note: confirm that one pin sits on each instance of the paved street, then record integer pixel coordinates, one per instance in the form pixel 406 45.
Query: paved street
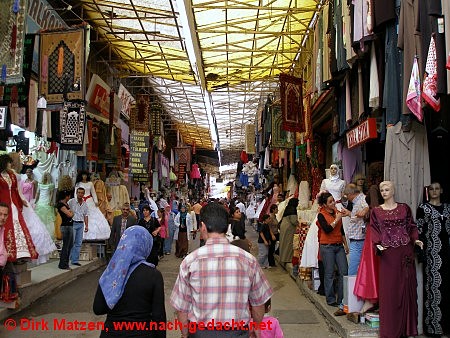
pixel 73 302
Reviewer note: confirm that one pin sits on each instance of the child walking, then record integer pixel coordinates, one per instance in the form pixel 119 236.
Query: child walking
pixel 264 238
pixel 273 328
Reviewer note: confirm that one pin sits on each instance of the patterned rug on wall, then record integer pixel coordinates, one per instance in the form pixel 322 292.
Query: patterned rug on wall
pixel 280 137
pixel 292 103
pixel 63 65
pixel 72 123
pixel 12 32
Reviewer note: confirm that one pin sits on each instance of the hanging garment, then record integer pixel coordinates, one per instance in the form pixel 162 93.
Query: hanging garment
pixel 430 83
pixel 413 98
pixel 406 162
pixel 374 92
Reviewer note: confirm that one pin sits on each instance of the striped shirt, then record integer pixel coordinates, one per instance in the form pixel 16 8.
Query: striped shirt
pixel 218 281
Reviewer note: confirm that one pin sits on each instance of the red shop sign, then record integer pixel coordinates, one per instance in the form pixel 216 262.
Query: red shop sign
pixel 362 133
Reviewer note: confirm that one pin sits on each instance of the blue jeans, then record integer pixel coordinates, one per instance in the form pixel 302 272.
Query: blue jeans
pixel 67 238
pixel 333 254
pixel 78 229
pixel 263 255
pixel 168 241
pixel 356 248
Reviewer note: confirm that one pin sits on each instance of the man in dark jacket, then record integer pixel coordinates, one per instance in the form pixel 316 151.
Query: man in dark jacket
pixel 119 224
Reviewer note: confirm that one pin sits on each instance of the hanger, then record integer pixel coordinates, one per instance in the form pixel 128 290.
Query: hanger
pixel 439 129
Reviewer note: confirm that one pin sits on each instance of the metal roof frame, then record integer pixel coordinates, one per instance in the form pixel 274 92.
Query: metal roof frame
pixel 210 75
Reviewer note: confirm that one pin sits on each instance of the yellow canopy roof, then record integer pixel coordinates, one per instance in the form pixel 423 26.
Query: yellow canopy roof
pixel 211 63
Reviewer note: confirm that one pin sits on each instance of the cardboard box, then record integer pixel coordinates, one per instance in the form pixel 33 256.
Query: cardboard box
pixel 87 247
pixel 373 323
pixel 18 268
pixel 54 255
pixel 23 278
pixel 351 302
pixel 85 256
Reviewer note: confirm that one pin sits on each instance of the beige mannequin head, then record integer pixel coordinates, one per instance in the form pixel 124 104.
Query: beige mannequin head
pixel 387 190
pixel 46 178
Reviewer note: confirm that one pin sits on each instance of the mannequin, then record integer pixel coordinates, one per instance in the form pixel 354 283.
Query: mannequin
pixel 29 186
pixel 113 184
pixel 100 190
pixel 433 222
pixel 394 236
pixel 44 203
pixel 98 225
pixel 334 185
pixel 17 237
pixel 360 181
pixel 40 236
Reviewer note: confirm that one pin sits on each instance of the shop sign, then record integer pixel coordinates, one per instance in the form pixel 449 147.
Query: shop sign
pixel 98 98
pixel 3 111
pixel 139 143
pixel 127 101
pixel 44 15
pixel 362 133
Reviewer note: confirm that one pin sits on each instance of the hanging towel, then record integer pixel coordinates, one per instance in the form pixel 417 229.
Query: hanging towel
pixel 430 82
pixel 413 100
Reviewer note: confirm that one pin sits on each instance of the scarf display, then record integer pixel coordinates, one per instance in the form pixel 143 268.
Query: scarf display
pixel 413 98
pixel 12 30
pixel 72 122
pixel 292 103
pixel 133 249
pixel 429 91
pixel 63 65
pixel 280 137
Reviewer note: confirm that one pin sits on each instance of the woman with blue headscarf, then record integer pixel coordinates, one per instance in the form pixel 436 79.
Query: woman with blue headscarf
pixel 131 290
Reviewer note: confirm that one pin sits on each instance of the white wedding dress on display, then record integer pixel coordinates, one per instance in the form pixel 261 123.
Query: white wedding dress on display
pixel 98 227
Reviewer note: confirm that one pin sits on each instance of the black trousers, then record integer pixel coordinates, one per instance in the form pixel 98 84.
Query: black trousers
pixel 272 244
pixel 67 238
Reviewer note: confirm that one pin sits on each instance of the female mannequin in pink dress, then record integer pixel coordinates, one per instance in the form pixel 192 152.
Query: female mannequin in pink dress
pixel 29 186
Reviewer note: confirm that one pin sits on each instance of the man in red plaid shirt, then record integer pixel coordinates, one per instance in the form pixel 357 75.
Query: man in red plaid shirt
pixel 219 285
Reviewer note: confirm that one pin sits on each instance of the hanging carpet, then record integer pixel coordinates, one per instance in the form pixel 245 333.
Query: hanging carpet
pixel 63 65
pixel 72 122
pixel 12 31
pixel 280 137
pixel 182 156
pixel 292 103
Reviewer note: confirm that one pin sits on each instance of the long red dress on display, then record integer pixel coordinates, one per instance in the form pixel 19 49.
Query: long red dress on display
pixel 396 231
pixel 366 285
pixel 18 242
